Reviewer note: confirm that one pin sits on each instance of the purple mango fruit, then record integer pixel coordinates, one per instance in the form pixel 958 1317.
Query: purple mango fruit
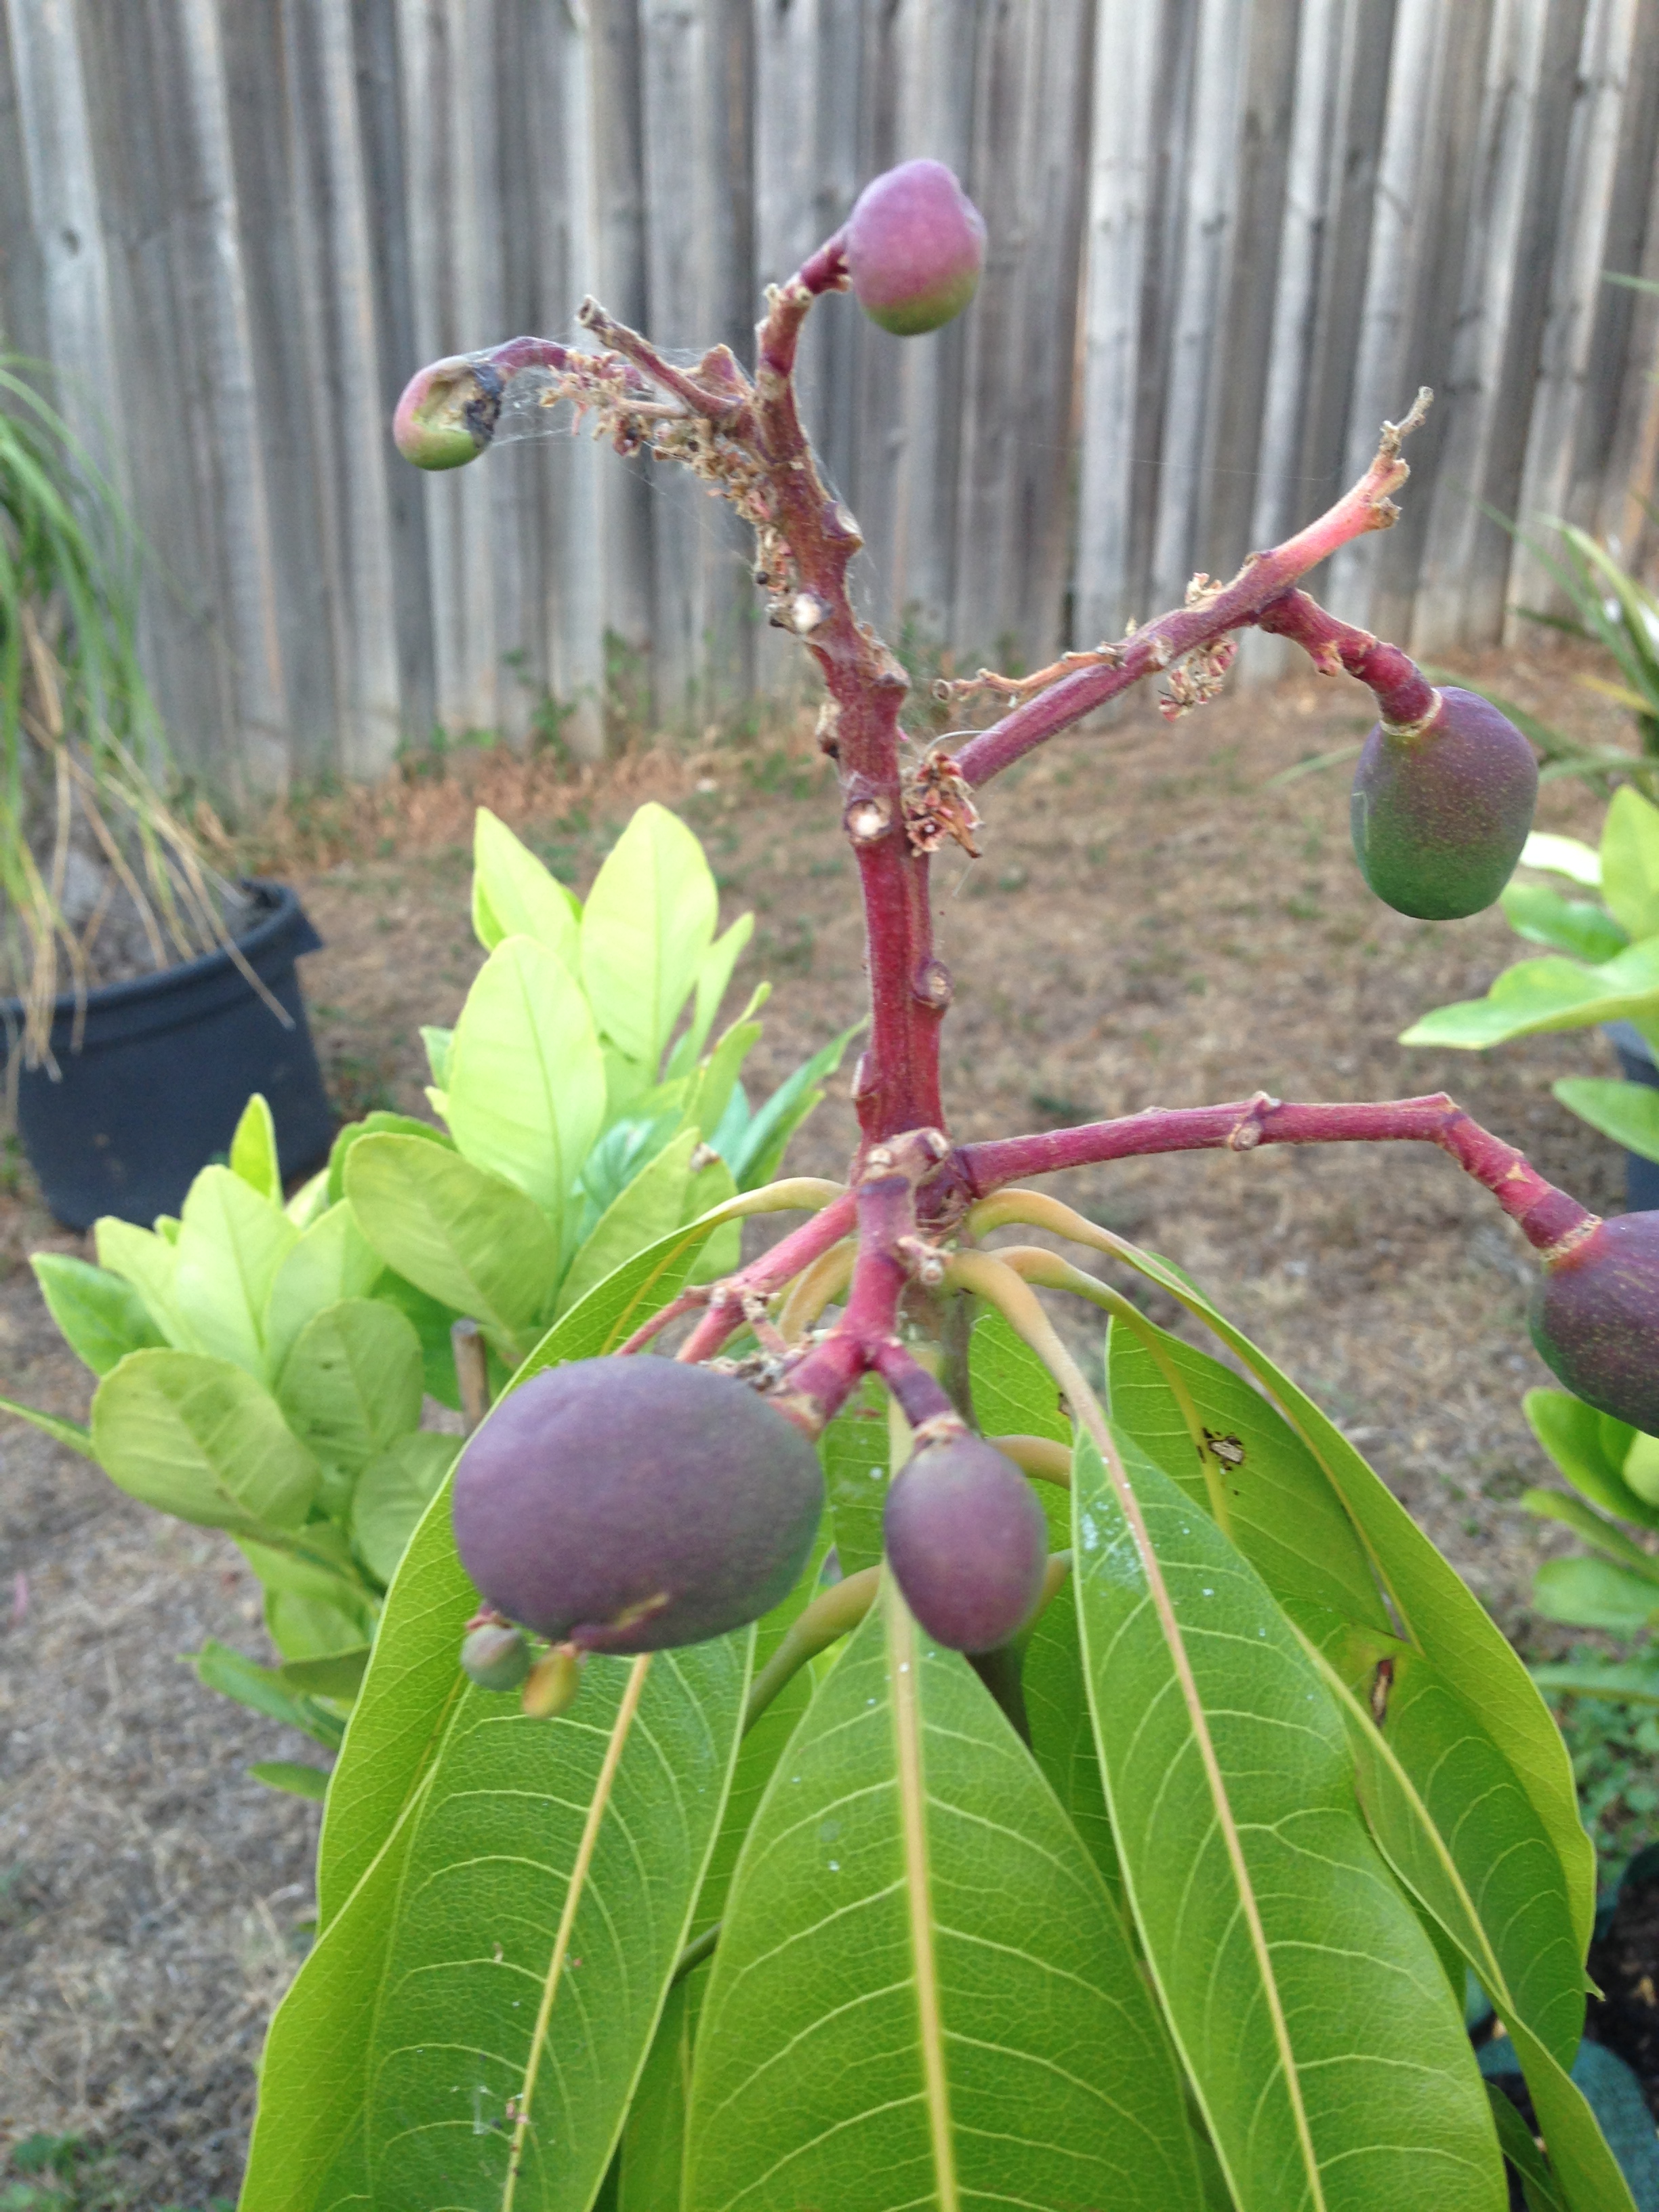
pixel 1594 1318
pixel 1440 812
pixel 448 414
pixel 635 1504
pixel 968 1543
pixel 916 245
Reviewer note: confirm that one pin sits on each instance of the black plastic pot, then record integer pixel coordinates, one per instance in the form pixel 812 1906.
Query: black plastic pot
pixel 165 1066
pixel 1636 1063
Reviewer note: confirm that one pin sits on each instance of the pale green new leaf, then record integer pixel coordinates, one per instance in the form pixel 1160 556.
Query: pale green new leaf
pixel 310 1202
pixel 1600 1534
pixel 1630 861
pixel 922 1994
pixel 391 1495
pixel 469 1239
pixel 377 1124
pixel 525 1090
pixel 333 1260
pixel 231 1243
pixel 641 1213
pixel 713 980
pixel 1590 1450
pixel 1563 856
pixel 1596 1594
pixel 254 1151
pixel 294 1776
pixel 1315 2023
pixel 351 1386
pixel 515 896
pixel 102 1318
pixel 1539 995
pixel 69 1433
pixel 263 1690
pixel 1576 927
pixel 646 931
pixel 148 1262
pixel 200 1438
pixel 1626 1112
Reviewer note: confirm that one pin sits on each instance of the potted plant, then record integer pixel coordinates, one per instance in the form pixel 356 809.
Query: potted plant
pixel 148 995
pixel 1046 1799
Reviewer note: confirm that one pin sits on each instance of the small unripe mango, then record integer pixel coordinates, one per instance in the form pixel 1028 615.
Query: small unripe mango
pixel 635 1504
pixel 447 413
pixel 1441 811
pixel 968 1543
pixel 1595 1319
pixel 916 245
pixel 496 1657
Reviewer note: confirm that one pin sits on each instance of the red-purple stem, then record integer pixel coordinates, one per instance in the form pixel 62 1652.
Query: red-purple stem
pixel 1545 1213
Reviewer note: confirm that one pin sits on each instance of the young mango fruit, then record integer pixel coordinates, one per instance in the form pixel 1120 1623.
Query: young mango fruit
pixel 1441 810
pixel 448 412
pixel 1594 1318
pixel 916 245
pixel 967 1541
pixel 629 1505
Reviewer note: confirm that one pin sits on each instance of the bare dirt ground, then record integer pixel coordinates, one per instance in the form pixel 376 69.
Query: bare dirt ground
pixel 1154 920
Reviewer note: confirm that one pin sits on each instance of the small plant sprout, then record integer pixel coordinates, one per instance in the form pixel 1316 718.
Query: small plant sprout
pixel 1123 1836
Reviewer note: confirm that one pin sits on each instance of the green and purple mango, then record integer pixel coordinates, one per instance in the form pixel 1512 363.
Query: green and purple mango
pixel 916 245
pixel 448 412
pixel 1441 811
pixel 967 1542
pixel 1594 1318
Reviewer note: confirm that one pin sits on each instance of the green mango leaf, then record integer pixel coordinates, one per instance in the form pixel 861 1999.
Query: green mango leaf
pixel 645 1212
pixel 922 1993
pixel 1436 1611
pixel 148 1262
pixel 468 1238
pixel 392 1494
pixel 351 1388
pixel 1516 2140
pixel 646 932
pixel 1563 856
pixel 318 1565
pixel 305 1629
pixel 1463 1850
pixel 1063 1732
pixel 1282 1512
pixel 102 1318
pixel 1590 1450
pixel 515 896
pixel 1636 1681
pixel 266 1690
pixel 653 2142
pixel 1013 1392
pixel 414 1680
pixel 1538 995
pixel 377 1124
pixel 200 1438
pixel 1577 926
pixel 715 1088
pixel 1317 2026
pixel 855 1453
pixel 437 1043
pixel 1596 1594
pixel 292 1776
pixel 526 1078
pixel 232 1242
pixel 1626 1112
pixel 432 1321
pixel 760 1152
pixel 715 979
pixel 340 1675
pixel 71 1434
pixel 310 1201
pixel 710 1186
pixel 1600 1534
pixel 254 1151
pixel 1630 861
pixel 333 1260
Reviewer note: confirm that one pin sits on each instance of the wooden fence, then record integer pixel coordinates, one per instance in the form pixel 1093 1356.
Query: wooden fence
pixel 1227 238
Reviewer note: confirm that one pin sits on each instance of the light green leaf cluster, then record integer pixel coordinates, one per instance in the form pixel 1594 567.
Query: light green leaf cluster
pixel 1604 964
pixel 1176 1915
pixel 1613 1470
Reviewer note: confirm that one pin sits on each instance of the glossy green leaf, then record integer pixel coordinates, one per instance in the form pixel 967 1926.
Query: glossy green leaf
pixel 759 1154
pixel 515 896
pixel 1563 856
pixel 1314 2021
pixel 1590 1450
pixel 1576 927
pixel 1062 1731
pixel 377 1124
pixel 254 1151
pixel 1540 995
pixel 922 1994
pixel 1515 2139
pixel 231 1243
pixel 1630 861
pixel 350 1389
pixel 654 2142
pixel 200 1438
pixel 646 1210
pixel 292 1775
pixel 1459 1847
pixel 646 932
pixel 1282 1512
pixel 392 1492
pixel 1626 1112
pixel 525 1092
pixel 102 1318
pixel 338 1676
pixel 1437 1611
pixel 264 1690
pixel 855 1453
pixel 471 1240
pixel 333 1260
pixel 1596 1594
